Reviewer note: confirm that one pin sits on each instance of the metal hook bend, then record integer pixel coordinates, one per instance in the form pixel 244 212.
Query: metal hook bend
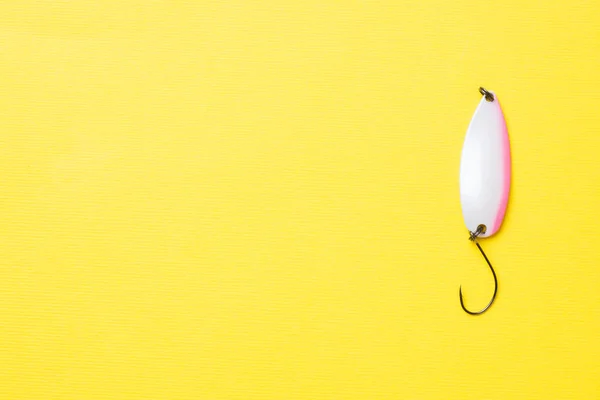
pixel 473 237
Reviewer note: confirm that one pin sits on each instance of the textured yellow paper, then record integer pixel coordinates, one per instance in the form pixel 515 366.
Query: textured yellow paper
pixel 259 200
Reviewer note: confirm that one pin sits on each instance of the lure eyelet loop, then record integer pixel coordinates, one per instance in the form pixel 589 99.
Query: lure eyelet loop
pixel 489 96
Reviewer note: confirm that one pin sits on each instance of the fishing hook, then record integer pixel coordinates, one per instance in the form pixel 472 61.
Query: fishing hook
pixel 473 237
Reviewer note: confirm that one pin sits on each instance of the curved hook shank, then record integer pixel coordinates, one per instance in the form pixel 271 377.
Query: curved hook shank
pixel 495 287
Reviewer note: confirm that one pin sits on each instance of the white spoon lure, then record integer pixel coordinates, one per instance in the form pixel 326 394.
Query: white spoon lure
pixel 485 176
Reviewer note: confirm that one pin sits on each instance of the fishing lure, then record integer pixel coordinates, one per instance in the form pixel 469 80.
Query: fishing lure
pixel 485 176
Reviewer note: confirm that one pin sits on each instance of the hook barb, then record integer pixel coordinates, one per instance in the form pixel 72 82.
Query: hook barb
pixel 480 229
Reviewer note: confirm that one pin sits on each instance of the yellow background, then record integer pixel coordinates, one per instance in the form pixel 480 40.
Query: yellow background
pixel 259 200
